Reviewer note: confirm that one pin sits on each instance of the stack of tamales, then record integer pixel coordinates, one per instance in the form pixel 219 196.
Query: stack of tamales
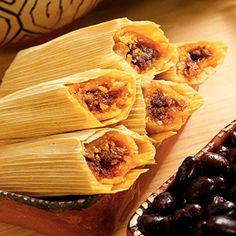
pixel 80 114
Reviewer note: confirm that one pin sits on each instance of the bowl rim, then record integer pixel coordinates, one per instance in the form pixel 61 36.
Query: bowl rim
pixel 84 201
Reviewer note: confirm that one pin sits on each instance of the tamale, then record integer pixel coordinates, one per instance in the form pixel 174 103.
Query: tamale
pixel 95 161
pixel 198 61
pixel 91 99
pixel 134 46
pixel 168 106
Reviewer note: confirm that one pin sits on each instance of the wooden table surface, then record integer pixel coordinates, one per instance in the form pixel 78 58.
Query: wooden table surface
pixel 182 20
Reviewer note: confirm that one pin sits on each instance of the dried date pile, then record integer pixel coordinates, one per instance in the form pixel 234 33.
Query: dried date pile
pixel 201 200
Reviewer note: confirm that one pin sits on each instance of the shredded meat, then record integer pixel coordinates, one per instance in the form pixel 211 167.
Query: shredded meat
pixel 142 55
pixel 100 101
pixel 107 157
pixel 161 106
pixel 195 57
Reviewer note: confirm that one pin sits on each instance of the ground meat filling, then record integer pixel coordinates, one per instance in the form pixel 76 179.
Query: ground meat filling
pixel 162 107
pixel 105 159
pixel 141 55
pixel 138 50
pixel 104 97
pixel 101 99
pixel 194 59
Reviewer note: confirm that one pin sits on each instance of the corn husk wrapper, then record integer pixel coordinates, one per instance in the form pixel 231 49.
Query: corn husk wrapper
pixel 80 50
pixel 136 121
pixel 55 165
pixel 185 95
pixel 169 75
pixel 49 108
pixel 202 69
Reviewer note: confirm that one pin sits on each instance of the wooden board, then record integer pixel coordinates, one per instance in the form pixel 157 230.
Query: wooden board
pixel 182 20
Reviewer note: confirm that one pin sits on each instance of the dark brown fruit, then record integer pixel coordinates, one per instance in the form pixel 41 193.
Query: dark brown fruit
pixel 220 206
pixel 231 173
pixel 233 138
pixel 232 193
pixel 189 169
pixel 214 162
pixel 164 203
pixel 220 184
pixel 199 228
pixel 195 211
pixel 233 155
pixel 231 141
pixel 221 225
pixel 199 190
pixel 182 222
pixel 147 223
pixel 154 224
pixel 224 151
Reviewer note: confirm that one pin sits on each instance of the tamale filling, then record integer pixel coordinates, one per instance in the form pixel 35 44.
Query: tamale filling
pixel 139 51
pixel 194 60
pixel 109 156
pixel 104 97
pixel 163 107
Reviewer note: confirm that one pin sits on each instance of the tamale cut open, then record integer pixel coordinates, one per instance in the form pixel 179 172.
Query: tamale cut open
pixel 198 61
pixel 104 160
pixel 135 46
pixel 91 99
pixel 168 106
pixel 162 107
